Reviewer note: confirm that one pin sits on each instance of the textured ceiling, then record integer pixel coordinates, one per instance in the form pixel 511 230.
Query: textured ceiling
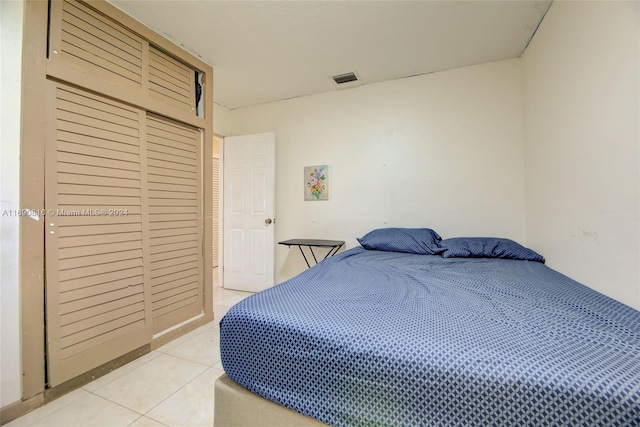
pixel 265 51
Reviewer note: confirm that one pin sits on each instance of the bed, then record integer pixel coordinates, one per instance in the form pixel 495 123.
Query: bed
pixel 386 338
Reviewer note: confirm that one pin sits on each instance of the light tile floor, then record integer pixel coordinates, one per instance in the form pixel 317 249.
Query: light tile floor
pixel 170 386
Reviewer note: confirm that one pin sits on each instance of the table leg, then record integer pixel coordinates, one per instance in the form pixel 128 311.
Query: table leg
pixel 332 252
pixel 314 255
pixel 304 256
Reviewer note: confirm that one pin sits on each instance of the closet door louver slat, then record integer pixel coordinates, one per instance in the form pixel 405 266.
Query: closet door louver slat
pixel 95 233
pixel 92 42
pixel 171 81
pixel 175 221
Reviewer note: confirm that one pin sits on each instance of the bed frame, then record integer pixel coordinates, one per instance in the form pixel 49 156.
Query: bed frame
pixel 237 406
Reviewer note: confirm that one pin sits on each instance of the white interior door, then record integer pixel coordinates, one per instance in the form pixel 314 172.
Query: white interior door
pixel 249 194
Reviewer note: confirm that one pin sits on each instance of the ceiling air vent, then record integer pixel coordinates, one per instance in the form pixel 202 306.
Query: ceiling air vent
pixel 345 78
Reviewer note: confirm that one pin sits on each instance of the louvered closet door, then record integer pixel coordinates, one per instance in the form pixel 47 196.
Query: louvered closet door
pixel 175 215
pixel 215 201
pixel 95 233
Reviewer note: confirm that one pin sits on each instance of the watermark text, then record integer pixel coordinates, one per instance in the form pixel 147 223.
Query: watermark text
pixel 64 212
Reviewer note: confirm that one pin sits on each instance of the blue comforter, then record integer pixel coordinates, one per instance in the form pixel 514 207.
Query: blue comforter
pixel 371 338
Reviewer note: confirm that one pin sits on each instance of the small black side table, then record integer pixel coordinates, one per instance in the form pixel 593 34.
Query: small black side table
pixel 335 246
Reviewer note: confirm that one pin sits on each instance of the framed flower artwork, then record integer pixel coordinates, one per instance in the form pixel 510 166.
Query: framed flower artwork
pixel 316 182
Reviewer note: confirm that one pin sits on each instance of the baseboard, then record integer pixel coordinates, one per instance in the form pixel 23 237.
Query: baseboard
pixel 19 408
pixel 176 333
pixel 102 370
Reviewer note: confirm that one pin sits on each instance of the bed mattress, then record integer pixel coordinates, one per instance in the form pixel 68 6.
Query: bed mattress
pixel 391 339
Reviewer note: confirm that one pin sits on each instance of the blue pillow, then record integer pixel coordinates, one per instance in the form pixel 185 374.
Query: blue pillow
pixel 423 241
pixel 487 247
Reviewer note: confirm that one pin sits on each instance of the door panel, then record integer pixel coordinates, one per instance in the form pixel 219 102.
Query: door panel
pixel 175 215
pixel 87 40
pixel 249 194
pixel 215 202
pixel 95 251
pixel 171 81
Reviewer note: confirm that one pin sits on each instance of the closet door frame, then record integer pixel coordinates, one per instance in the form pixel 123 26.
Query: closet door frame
pixel 38 67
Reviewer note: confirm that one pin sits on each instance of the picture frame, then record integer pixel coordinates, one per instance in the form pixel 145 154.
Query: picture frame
pixel 316 183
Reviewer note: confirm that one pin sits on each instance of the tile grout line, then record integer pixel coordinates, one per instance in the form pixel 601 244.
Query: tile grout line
pixel 188 339
pixel 125 373
pixel 83 397
pixel 144 416
pixel 192 361
pixel 56 411
pixel 168 397
pixel 116 403
pixel 145 413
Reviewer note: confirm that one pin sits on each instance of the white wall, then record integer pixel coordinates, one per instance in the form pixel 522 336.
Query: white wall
pixel 443 150
pixel 11 13
pixel 581 107
pixel 221 120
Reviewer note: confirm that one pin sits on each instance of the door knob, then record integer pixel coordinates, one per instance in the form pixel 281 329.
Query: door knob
pixel 268 221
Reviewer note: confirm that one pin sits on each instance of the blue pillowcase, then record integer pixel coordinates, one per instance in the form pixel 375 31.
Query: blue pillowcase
pixel 487 247
pixel 423 241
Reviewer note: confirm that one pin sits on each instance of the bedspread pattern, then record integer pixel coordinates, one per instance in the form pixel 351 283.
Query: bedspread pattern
pixel 370 338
